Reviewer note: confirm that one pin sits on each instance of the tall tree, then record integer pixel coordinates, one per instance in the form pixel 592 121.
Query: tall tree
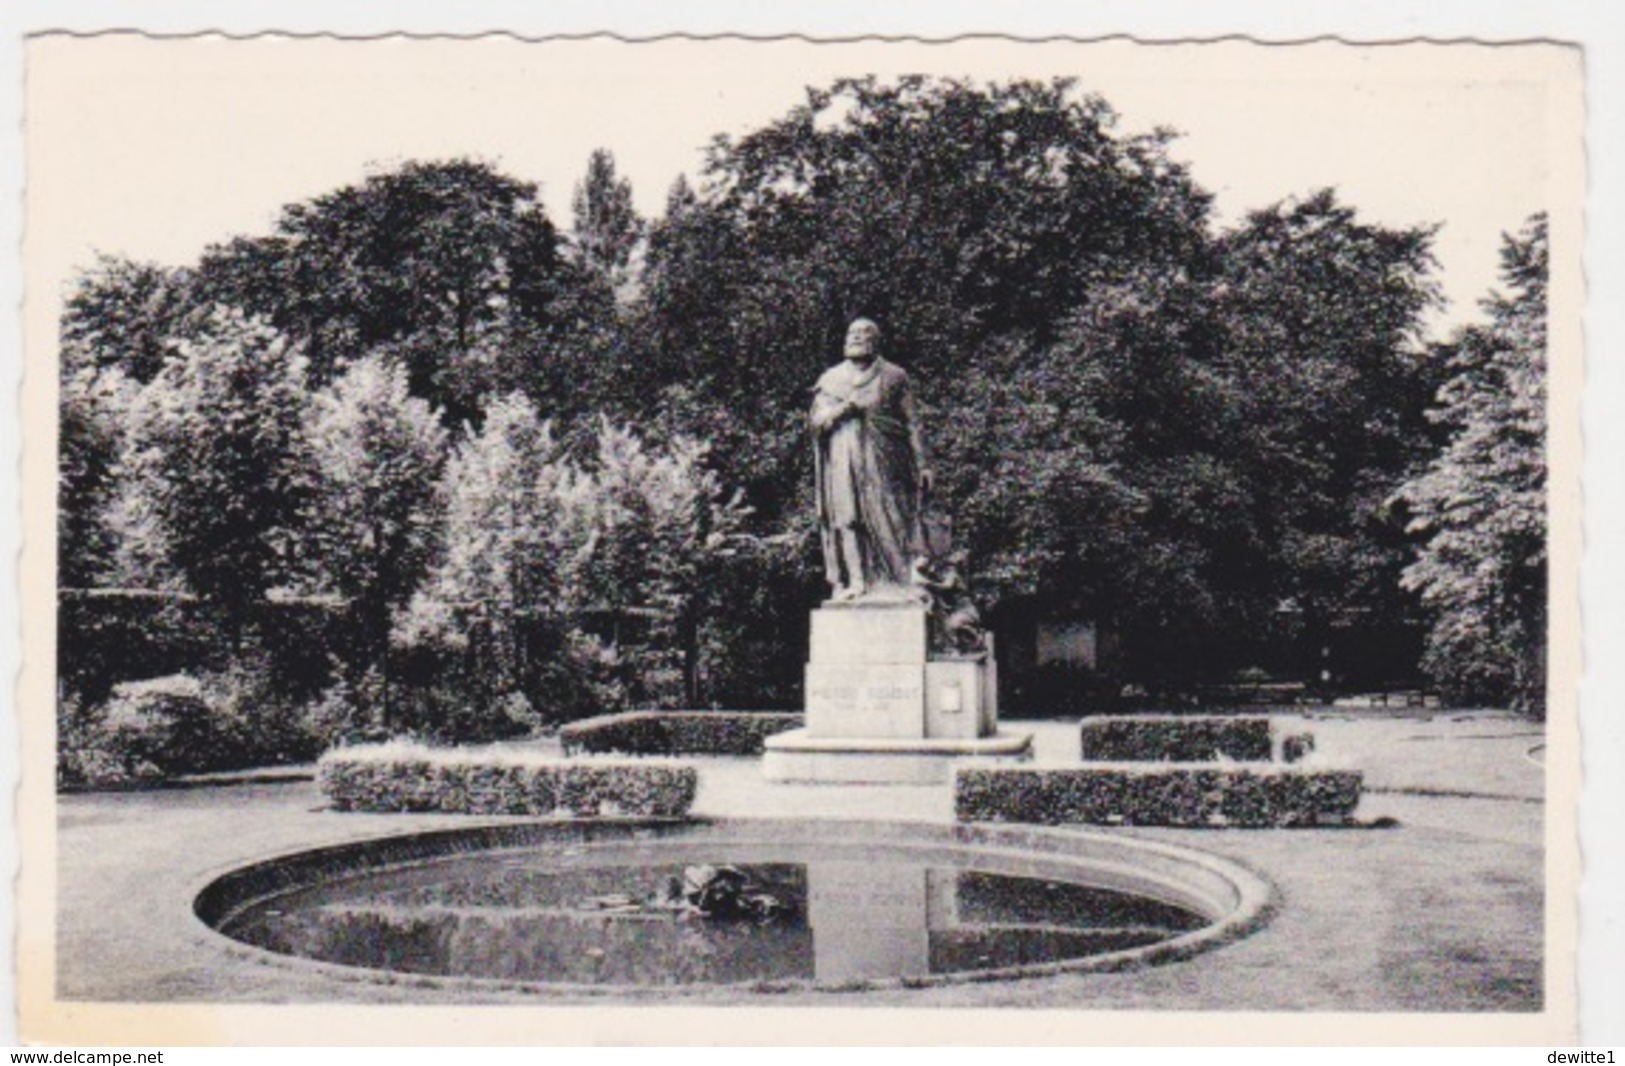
pixel 93 417
pixel 450 267
pixel 1481 504
pixel 123 314
pixel 953 213
pixel 495 598
pixel 374 457
pixel 593 365
pixel 213 461
pixel 1321 315
pixel 606 226
pixel 658 522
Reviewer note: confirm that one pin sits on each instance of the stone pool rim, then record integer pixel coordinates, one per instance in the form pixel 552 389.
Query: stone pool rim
pixel 1234 900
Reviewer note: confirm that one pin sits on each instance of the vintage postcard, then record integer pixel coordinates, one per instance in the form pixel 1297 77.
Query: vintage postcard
pixel 778 540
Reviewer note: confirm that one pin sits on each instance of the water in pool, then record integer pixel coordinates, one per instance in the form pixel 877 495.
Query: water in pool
pixel 691 914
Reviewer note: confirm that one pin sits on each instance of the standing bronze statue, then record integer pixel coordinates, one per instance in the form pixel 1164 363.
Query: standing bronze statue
pixel 871 470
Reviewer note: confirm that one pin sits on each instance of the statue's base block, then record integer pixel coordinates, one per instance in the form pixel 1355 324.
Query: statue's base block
pixel 799 756
pixel 882 710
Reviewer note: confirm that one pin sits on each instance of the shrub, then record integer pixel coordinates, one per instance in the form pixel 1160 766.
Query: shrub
pixel 168 724
pixel 159 728
pixel 345 713
pixel 400 776
pixel 1249 796
pixel 84 759
pixel 1175 738
pixel 677 732
pixel 254 707
pixel 1297 747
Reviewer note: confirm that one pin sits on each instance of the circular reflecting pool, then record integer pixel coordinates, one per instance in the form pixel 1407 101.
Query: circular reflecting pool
pixel 760 904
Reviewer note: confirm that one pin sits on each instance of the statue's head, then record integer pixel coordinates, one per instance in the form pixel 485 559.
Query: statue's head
pixel 862 340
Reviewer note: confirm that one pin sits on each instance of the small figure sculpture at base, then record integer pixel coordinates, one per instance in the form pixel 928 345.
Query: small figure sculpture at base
pixel 956 624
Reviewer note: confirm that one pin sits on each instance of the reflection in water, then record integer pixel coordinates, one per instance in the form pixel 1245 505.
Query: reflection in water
pixel 544 916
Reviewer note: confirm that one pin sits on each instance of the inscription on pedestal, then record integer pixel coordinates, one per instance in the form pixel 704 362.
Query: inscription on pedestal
pixel 879 700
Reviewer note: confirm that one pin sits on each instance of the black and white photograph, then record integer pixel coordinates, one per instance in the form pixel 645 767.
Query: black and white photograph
pixel 944 531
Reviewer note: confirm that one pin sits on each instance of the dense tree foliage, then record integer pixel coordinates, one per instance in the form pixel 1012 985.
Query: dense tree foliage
pixel 952 214
pixel 606 227
pixel 1329 382
pixel 1186 437
pixel 398 418
pixel 1481 503
pixel 373 458
pixel 565 587
pixel 451 268
pixel 94 406
pixel 124 315
pixel 490 611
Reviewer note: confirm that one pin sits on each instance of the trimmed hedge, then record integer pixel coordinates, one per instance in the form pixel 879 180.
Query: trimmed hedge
pixel 1252 796
pixel 677 732
pixel 1175 738
pixel 411 777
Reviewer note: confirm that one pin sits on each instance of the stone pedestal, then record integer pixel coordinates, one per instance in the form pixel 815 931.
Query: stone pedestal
pixel 866 672
pixel 881 709
pixel 961 697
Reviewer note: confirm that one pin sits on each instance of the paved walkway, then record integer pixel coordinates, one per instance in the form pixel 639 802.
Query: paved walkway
pixel 1442 912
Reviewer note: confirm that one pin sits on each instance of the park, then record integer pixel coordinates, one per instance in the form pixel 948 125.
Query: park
pixel 935 562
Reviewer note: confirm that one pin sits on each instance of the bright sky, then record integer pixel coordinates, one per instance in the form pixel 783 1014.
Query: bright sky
pixel 155 148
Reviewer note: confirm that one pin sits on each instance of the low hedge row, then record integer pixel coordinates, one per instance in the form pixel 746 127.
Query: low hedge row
pixel 1175 738
pixel 677 732
pixel 1251 796
pixel 411 777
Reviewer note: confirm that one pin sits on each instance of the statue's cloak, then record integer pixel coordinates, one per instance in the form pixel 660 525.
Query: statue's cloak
pixel 868 475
